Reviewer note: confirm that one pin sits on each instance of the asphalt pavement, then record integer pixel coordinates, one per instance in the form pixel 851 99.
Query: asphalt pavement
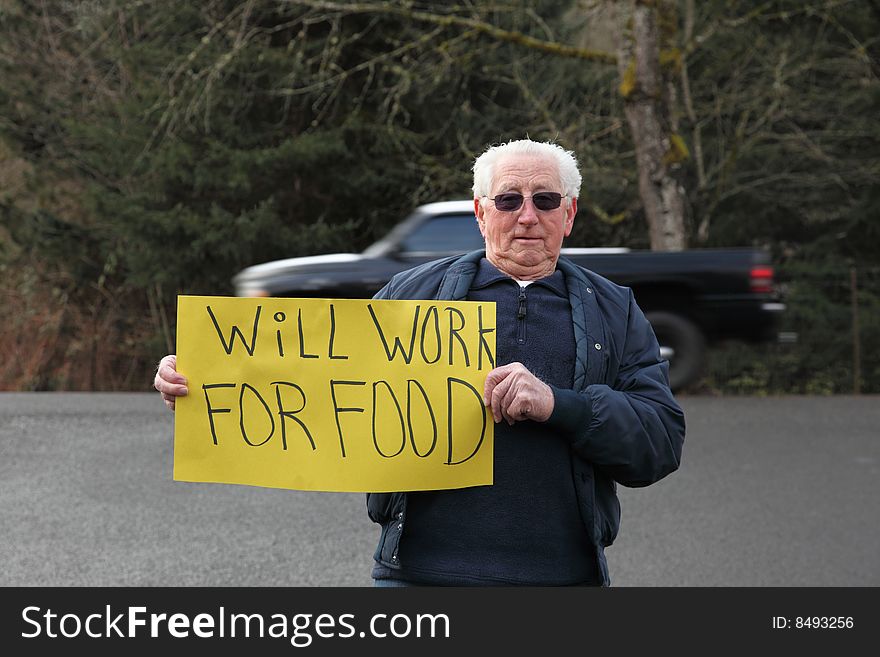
pixel 776 491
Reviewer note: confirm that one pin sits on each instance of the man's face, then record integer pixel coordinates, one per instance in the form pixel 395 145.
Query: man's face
pixel 525 243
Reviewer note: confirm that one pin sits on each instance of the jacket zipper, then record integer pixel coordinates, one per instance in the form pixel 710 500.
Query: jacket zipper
pixel 521 317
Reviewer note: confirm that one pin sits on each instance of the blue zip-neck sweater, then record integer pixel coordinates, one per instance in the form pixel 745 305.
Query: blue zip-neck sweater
pixel 526 528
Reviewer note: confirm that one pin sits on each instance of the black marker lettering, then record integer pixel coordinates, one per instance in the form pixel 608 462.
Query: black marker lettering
pixel 407 357
pixel 282 413
pixel 449 383
pixel 333 336
pixel 483 344
pixel 212 410
pixel 337 409
pixel 247 386
pixel 280 317
pixel 237 331
pixel 453 332
pixel 432 311
pixel 399 415
pixel 412 438
pixel 302 346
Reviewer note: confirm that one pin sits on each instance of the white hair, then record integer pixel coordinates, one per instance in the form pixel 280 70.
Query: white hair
pixel 484 166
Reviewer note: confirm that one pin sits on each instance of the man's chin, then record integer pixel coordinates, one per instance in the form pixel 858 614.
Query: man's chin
pixel 526 264
pixel 530 255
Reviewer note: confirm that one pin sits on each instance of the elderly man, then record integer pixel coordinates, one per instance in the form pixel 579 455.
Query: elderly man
pixel 580 396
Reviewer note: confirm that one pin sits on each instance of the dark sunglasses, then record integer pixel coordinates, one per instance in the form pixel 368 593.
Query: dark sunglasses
pixel 512 201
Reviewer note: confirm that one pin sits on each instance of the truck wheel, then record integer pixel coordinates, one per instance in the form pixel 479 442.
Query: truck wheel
pixel 682 344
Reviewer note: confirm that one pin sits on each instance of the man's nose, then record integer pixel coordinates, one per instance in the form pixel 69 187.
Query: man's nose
pixel 528 214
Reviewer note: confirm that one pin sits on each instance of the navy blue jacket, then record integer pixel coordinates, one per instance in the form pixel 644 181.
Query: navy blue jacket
pixel 622 420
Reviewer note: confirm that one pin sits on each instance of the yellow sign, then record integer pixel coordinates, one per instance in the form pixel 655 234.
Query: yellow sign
pixel 334 394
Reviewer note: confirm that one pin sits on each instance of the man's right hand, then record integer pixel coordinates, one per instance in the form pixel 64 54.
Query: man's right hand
pixel 514 394
pixel 169 382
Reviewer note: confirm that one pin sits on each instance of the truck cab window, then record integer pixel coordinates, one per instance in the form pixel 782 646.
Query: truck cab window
pixel 452 233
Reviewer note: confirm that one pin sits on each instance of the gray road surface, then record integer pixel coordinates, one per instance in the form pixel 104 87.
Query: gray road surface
pixel 772 492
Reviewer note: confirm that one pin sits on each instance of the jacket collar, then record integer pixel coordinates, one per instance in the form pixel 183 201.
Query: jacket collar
pixel 461 275
pixel 487 274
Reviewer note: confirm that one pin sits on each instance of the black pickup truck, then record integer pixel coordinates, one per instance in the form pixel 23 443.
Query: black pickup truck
pixel 692 298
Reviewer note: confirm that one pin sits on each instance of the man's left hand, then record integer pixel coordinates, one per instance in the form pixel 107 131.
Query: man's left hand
pixel 515 394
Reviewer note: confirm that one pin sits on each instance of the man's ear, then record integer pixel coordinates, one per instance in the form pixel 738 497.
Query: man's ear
pixel 569 216
pixel 479 212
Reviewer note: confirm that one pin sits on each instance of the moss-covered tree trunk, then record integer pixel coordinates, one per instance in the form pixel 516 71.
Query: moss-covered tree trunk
pixel 658 150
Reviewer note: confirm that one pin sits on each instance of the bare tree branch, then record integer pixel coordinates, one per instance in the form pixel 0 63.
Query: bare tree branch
pixel 450 20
